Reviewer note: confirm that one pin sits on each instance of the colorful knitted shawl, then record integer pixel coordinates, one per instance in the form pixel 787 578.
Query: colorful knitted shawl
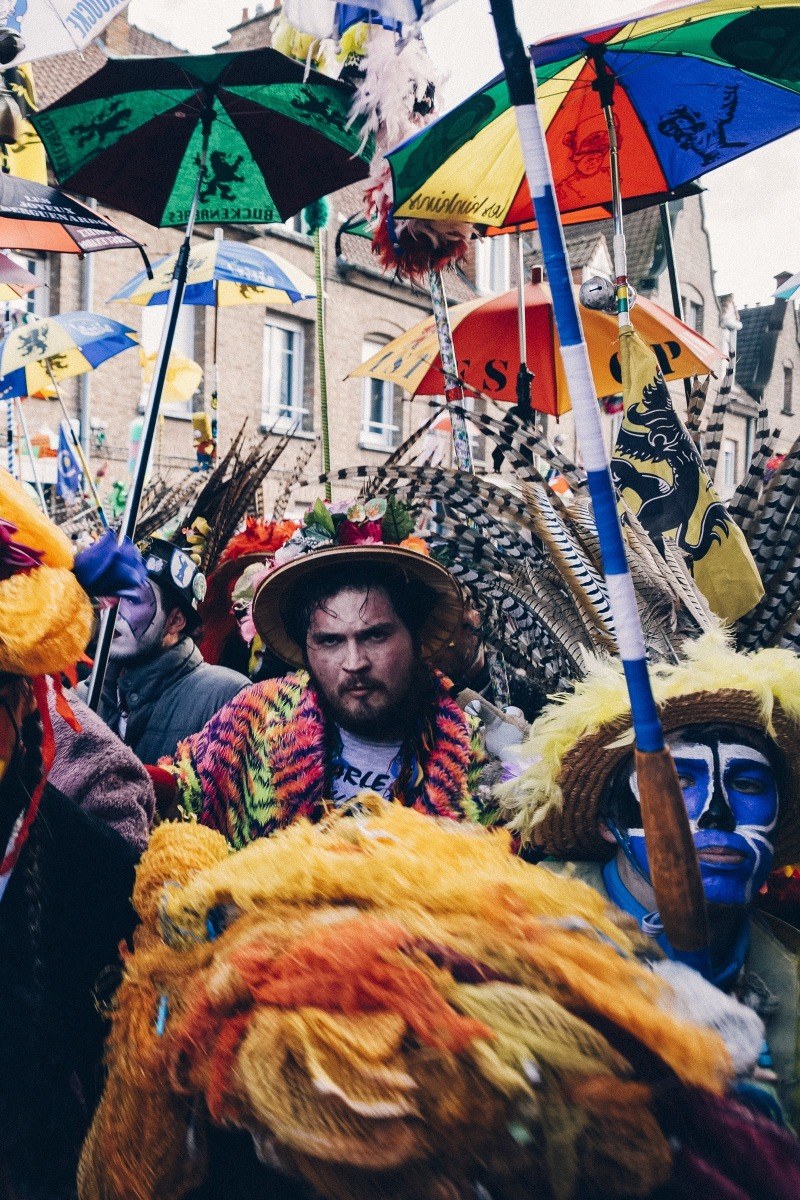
pixel 260 763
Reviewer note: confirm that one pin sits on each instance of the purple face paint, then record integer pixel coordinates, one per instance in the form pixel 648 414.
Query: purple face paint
pixel 139 614
pixel 139 626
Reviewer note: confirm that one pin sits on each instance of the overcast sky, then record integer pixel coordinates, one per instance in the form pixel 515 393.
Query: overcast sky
pixel 751 205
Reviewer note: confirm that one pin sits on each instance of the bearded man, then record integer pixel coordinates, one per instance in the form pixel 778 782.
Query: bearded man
pixel 363 712
pixel 159 689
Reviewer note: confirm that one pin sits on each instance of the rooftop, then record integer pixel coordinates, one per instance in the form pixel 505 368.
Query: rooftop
pixel 56 76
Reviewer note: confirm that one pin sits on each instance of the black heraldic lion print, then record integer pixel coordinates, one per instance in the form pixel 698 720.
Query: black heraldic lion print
pixel 652 433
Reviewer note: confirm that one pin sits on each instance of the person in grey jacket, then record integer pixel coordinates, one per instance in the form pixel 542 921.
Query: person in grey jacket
pixel 159 689
pixel 94 770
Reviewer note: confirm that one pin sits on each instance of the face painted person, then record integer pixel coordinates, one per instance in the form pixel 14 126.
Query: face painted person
pixel 164 690
pixel 733 726
pixel 361 622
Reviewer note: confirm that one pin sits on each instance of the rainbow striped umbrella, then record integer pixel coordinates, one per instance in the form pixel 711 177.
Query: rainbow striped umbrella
pixel 692 86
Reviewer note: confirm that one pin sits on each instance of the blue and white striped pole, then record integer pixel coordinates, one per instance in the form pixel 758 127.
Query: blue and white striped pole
pixel 673 860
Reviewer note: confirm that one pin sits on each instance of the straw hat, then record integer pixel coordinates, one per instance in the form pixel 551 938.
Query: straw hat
pixel 271 601
pixel 580 738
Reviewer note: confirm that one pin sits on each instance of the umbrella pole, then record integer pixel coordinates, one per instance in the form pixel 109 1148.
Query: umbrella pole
pixel 524 376
pixel 453 392
pixel 26 438
pixel 215 374
pixel 673 860
pixel 127 528
pixel 10 436
pixel 323 373
pixel 604 85
pixel 672 272
pixel 78 448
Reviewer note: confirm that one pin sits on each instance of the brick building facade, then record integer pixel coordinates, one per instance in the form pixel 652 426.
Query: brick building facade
pixel 267 355
pixel 268 371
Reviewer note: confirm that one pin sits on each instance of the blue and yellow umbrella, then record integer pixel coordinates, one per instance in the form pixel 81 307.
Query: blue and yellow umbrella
pixel 47 349
pixel 223 273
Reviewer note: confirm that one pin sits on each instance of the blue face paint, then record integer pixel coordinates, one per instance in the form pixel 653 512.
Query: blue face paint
pixel 731 797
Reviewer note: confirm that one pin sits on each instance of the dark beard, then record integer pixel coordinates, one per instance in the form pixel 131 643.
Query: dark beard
pixel 392 724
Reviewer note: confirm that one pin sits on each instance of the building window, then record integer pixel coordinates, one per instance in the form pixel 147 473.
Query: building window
pixel 282 399
pixel 153 317
pixel 378 428
pixel 492 265
pixel 36 301
pixel 730 454
pixel 297 223
pixel 694 314
pixel 788 406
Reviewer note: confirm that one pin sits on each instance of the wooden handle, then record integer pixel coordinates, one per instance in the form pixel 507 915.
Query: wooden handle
pixel 671 852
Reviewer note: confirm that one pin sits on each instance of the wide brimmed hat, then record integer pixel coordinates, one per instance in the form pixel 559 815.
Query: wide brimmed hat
pixel 270 603
pixel 579 740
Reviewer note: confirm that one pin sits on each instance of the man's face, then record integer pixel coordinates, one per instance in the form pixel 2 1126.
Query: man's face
pixel 140 625
pixel 363 661
pixel 731 796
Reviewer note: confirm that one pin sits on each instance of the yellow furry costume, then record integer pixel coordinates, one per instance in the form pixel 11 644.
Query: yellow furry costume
pixel 392 1006
pixel 45 615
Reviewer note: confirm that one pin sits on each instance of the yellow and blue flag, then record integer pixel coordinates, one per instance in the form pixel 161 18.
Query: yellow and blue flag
pixel 659 474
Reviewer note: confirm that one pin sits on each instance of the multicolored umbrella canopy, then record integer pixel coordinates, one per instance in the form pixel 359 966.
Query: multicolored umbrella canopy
pixel 487 350
pixel 224 273
pixel 694 86
pixel 67 345
pixel 131 135
pixel 36 217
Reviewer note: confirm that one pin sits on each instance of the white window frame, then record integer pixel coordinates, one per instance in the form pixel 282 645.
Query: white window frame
pixel 377 435
pixel 153 317
pixel 787 400
pixel 730 457
pixel 493 264
pixel 298 414
pixel 297 224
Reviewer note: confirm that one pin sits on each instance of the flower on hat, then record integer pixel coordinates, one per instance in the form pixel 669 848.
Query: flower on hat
pixel 360 533
pixel 258 537
pixel 417 544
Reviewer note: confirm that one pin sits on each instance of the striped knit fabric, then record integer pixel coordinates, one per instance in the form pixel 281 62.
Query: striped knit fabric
pixel 259 764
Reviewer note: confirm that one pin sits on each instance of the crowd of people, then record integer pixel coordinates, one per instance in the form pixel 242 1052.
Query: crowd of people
pixel 415 1004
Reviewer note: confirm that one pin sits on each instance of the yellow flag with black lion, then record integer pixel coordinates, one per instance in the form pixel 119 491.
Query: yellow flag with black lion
pixel 660 476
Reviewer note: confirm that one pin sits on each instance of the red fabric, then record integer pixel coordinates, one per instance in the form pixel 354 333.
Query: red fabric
pixel 165 787
pixel 48 754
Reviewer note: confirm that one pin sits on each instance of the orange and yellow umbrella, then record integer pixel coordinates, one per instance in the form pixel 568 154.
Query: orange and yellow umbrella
pixel 485 334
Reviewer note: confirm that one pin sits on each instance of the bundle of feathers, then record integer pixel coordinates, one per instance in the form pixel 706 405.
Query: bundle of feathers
pixel 395 98
pixel 395 1006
